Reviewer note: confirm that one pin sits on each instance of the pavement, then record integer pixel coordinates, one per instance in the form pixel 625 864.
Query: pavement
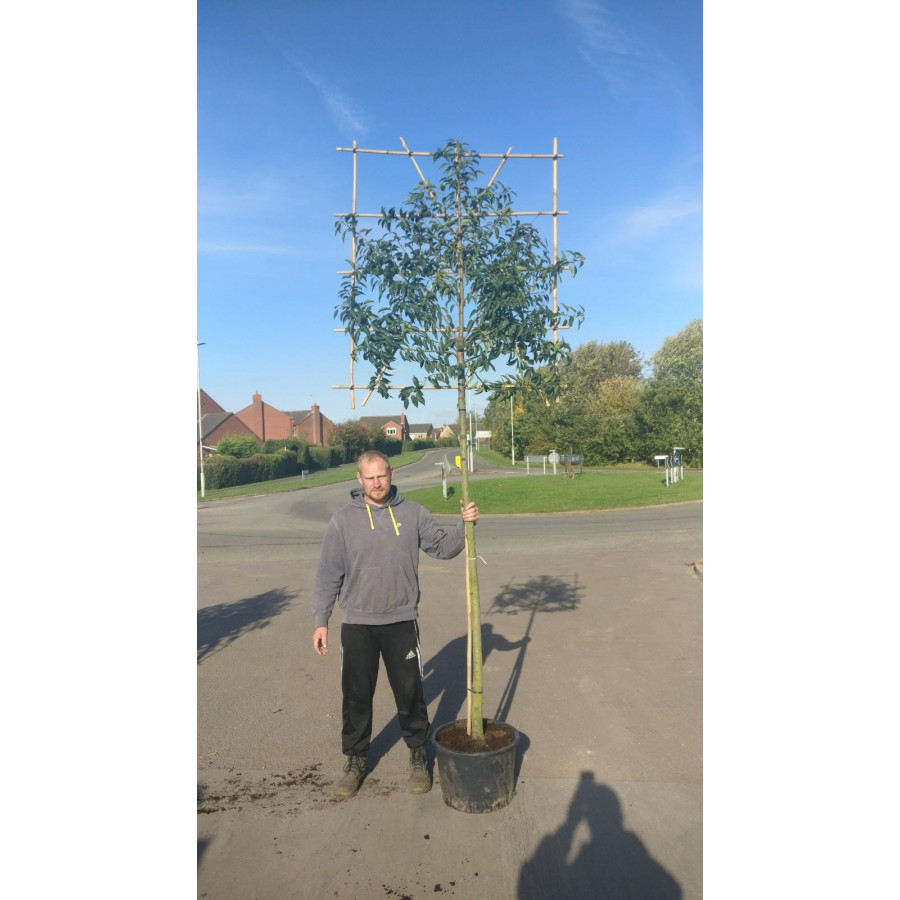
pixel 592 631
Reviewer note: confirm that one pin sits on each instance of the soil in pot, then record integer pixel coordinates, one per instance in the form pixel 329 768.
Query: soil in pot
pixel 496 735
pixel 476 776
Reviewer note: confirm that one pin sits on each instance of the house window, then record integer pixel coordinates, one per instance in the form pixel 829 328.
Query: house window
pixel 390 430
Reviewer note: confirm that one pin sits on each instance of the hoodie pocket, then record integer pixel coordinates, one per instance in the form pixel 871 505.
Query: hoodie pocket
pixel 380 589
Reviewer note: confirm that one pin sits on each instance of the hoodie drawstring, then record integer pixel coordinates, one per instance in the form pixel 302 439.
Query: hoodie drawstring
pixel 372 521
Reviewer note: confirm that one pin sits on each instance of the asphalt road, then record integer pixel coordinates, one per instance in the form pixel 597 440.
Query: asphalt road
pixel 593 651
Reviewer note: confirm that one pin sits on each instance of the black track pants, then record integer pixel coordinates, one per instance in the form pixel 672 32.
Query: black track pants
pixel 398 646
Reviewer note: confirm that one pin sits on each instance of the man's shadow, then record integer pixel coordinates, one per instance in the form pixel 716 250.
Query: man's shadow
pixel 611 864
pixel 445 680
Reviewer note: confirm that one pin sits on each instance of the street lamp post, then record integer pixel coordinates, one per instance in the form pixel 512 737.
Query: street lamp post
pixel 200 425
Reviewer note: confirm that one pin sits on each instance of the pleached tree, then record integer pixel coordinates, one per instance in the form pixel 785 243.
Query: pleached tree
pixel 454 283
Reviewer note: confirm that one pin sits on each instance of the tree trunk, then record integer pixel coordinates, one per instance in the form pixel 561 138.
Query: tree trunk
pixel 475 686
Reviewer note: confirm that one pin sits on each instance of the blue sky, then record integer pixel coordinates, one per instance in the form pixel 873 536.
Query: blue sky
pixel 281 85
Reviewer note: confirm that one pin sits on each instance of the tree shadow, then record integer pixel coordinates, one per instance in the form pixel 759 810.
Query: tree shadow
pixel 544 594
pixel 445 673
pixel 445 680
pixel 222 624
pixel 612 864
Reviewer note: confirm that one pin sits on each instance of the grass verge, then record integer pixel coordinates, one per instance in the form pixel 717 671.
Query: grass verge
pixel 346 472
pixel 555 493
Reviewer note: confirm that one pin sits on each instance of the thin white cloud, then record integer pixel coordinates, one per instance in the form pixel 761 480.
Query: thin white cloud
pixel 596 31
pixel 625 61
pixel 247 199
pixel 661 214
pixel 342 109
pixel 223 248
pixel 602 43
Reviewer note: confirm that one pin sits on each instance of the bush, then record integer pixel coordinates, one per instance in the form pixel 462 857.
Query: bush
pixel 220 471
pixel 239 445
pixel 320 457
pixel 418 444
pixel 387 445
pixel 297 445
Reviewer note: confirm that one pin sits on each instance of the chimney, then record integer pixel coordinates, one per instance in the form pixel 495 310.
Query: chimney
pixel 318 430
pixel 259 414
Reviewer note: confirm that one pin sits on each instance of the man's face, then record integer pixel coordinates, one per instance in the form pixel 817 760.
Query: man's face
pixel 375 478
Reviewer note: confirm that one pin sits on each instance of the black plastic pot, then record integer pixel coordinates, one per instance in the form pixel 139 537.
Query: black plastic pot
pixel 476 782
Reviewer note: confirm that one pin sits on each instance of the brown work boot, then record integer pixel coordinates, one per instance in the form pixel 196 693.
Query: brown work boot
pixel 419 779
pixel 355 769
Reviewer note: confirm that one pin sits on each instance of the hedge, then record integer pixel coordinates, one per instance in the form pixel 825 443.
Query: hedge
pixel 325 457
pixel 227 471
pixel 418 444
pixel 300 448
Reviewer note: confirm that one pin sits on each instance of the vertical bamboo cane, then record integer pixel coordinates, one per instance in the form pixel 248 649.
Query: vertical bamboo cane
pixel 468 655
pixel 475 723
pixel 353 278
pixel 555 237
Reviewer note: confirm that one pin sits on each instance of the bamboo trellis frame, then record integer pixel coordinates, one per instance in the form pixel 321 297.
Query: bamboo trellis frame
pixel 555 212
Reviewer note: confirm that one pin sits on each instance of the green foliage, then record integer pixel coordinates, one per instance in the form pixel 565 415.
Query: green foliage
pixel 325 457
pixel 388 445
pixel 223 470
pixel 461 285
pixel 354 439
pixel 239 445
pixel 297 445
pixel 418 444
pixel 609 411
pixel 219 471
pixel 671 411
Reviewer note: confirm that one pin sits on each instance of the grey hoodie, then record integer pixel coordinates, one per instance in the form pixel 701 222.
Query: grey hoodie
pixel 370 559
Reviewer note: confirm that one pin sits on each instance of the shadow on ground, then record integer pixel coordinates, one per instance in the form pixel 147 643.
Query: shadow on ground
pixel 591 854
pixel 222 624
pixel 544 594
pixel 445 672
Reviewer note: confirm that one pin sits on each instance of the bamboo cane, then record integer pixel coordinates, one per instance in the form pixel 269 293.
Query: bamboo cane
pixel 468 654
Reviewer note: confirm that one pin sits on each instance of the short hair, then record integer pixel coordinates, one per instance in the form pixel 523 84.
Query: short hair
pixel 371 456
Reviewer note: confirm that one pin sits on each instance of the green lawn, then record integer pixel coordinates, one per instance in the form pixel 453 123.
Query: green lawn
pixel 555 493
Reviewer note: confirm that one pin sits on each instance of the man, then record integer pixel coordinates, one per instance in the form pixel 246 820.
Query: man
pixel 370 564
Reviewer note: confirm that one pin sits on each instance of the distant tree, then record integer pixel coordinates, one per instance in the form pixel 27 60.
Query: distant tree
pixel 601 385
pixel 594 362
pixel 671 410
pixel 354 437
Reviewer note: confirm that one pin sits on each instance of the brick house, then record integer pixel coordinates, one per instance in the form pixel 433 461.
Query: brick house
pixel 311 426
pixel 263 422
pixel 216 423
pixel 396 428
pixel 270 424
pixel 421 432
